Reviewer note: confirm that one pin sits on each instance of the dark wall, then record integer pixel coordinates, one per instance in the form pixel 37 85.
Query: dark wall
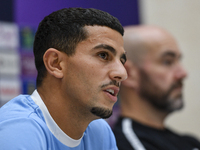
pixel 6 10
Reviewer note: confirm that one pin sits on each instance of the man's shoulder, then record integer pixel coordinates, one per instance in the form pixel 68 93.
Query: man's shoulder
pixel 22 133
pixel 21 106
pixel 192 140
pixel 99 124
pixel 100 134
pixel 99 127
pixel 20 117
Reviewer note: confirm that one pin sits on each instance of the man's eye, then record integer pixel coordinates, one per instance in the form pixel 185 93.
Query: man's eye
pixel 103 55
pixel 123 61
pixel 167 62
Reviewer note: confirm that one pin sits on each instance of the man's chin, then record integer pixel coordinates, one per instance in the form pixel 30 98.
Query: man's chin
pixel 101 112
pixel 176 105
pixel 179 104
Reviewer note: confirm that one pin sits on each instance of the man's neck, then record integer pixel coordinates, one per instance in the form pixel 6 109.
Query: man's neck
pixel 66 117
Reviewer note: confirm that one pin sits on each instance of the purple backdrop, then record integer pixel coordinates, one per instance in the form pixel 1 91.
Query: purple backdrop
pixel 31 12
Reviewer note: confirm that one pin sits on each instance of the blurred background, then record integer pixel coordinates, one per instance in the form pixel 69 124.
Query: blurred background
pixel 19 20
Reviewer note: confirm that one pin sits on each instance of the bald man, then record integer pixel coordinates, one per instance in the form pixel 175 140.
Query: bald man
pixel 151 92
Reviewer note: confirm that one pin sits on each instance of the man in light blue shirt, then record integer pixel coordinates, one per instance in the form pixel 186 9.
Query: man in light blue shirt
pixel 80 58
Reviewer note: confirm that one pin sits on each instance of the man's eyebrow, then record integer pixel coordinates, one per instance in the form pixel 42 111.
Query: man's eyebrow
pixel 111 49
pixel 107 47
pixel 170 53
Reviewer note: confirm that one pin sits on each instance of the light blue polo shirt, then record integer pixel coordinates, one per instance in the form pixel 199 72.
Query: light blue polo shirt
pixel 26 124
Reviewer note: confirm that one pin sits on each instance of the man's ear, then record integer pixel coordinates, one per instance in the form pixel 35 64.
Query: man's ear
pixel 52 61
pixel 132 80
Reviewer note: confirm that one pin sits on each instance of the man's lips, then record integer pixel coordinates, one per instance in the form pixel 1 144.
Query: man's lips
pixel 112 90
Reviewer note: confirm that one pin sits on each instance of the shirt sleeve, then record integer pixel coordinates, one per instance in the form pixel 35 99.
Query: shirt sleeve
pixel 23 134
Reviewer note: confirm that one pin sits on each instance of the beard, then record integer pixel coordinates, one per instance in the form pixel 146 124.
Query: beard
pixel 158 98
pixel 101 112
pixel 104 112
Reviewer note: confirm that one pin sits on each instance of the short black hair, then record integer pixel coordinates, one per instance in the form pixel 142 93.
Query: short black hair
pixel 64 29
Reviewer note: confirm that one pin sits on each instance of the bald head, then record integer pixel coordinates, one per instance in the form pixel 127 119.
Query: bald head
pixel 153 67
pixel 143 39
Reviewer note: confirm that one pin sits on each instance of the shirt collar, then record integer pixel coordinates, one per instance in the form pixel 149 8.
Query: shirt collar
pixel 51 124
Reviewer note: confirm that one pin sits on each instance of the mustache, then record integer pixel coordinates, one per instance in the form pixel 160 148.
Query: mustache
pixel 177 84
pixel 112 82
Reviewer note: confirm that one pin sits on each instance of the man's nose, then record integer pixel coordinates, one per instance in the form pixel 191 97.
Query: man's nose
pixel 118 72
pixel 181 73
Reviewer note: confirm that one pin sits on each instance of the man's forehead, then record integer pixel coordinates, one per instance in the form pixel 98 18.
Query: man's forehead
pixel 162 48
pixel 104 33
pixel 92 30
